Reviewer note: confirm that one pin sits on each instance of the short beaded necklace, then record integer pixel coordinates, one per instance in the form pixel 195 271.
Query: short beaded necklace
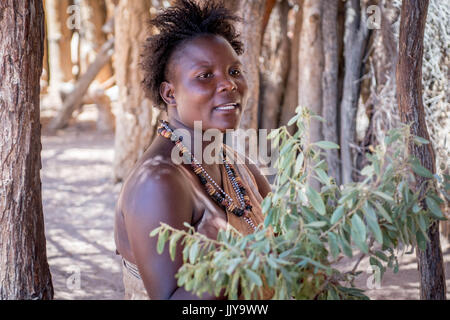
pixel 211 187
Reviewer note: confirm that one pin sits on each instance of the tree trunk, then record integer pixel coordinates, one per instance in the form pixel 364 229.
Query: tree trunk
pixel 134 125
pixel 251 32
pixel 44 82
pixel 59 37
pixel 311 64
pixel 330 84
pixel 24 271
pixel 274 69
pixel 409 95
pixel 355 41
pixel 94 17
pixel 290 99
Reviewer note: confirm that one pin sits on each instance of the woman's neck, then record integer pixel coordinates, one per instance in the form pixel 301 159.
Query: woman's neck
pixel 206 152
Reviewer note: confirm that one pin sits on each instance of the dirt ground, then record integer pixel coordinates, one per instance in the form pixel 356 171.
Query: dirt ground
pixel 79 198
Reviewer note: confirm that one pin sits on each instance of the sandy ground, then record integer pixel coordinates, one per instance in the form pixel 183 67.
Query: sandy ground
pixel 79 198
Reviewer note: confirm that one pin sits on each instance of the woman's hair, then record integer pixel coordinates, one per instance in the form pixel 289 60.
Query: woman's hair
pixel 183 21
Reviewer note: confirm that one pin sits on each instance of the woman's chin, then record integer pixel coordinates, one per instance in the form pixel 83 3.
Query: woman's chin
pixel 224 126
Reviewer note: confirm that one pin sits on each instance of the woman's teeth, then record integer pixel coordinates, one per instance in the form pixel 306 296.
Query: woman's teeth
pixel 227 107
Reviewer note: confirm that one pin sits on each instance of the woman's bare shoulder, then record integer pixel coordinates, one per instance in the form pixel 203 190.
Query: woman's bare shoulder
pixel 152 186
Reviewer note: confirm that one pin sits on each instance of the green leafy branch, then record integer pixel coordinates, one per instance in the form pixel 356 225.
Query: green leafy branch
pixel 314 228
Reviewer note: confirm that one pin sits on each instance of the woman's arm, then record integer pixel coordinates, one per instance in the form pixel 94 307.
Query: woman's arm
pixel 158 195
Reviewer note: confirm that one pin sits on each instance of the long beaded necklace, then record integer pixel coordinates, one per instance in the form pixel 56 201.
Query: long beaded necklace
pixel 211 187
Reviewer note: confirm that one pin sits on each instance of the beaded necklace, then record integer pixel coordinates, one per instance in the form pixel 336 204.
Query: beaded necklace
pixel 211 187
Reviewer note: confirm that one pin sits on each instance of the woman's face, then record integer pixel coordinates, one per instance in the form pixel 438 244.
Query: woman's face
pixel 203 74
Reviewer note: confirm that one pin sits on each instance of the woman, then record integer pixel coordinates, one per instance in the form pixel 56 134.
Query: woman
pixel 192 71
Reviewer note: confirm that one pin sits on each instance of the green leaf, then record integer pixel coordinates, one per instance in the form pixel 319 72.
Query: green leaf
pixel 313 262
pixel 382 211
pixel 384 196
pixel 265 205
pixel 254 277
pixel 233 265
pixel 372 221
pixel 434 208
pixel 420 140
pixel 346 248
pixel 269 218
pixel 382 256
pixel 326 145
pixel 316 224
pixel 193 252
pixel 332 242
pixel 293 120
pixel 420 170
pixel 286 164
pixel 321 119
pixel 200 273
pixel 316 200
pixel 324 178
pixel 173 245
pixel 358 233
pixel 396 265
pixel 421 241
pixel 271 262
pixel 332 294
pixel 161 241
pixel 422 223
pixel 307 214
pixel 299 163
pixel 155 232
pixel 392 136
pixel 367 171
pixel 255 264
pixel 273 133
pixel 287 147
pixel 234 286
pixel 337 214
pixel 189 284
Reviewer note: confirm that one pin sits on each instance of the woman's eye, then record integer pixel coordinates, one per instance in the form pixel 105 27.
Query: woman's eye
pixel 205 75
pixel 236 72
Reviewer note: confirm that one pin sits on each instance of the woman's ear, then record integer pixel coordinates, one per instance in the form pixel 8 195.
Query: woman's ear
pixel 166 91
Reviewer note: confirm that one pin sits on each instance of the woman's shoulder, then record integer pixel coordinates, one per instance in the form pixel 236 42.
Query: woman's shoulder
pixel 153 183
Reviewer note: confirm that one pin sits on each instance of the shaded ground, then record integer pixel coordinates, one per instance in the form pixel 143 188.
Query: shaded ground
pixel 79 198
pixel 403 285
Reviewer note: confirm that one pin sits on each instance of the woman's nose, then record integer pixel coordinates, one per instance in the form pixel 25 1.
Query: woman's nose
pixel 227 84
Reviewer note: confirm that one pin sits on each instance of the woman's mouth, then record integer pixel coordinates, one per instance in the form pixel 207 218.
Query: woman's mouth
pixel 227 107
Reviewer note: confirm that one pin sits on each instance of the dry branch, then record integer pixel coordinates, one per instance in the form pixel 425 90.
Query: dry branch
pixel 75 99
